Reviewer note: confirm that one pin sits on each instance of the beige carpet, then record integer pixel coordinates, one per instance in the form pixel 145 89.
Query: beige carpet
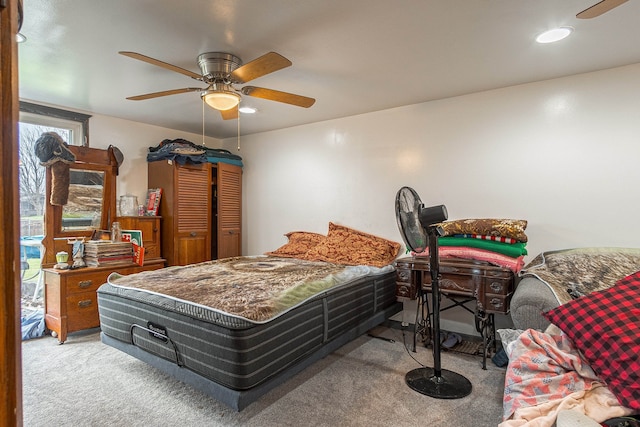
pixel 86 383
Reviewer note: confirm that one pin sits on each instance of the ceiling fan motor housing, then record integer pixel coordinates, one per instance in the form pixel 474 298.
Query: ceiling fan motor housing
pixel 218 66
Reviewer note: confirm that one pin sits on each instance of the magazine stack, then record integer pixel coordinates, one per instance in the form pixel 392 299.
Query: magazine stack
pixel 101 253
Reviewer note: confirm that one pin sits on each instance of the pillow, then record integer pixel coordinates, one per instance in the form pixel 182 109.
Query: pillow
pixel 605 327
pixel 513 228
pixel 300 242
pixel 345 245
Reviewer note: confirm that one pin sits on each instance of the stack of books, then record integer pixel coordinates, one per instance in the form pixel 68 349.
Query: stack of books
pixel 100 253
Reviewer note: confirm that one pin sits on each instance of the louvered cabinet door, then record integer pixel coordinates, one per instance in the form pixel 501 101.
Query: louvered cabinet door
pixel 229 210
pixel 193 218
pixel 185 208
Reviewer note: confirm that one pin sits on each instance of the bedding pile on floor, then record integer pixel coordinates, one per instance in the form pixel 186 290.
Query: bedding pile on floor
pixel 501 242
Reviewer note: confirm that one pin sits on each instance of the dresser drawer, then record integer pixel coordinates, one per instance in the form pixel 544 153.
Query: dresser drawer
pixel 82 311
pixel 498 286
pixel 405 287
pixel 85 282
pixel 492 303
pixel 454 284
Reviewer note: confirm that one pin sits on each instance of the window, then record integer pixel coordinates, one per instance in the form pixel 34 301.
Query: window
pixel 34 121
pixel 77 124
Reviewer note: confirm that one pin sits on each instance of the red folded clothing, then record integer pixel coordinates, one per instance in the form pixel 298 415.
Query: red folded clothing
pixel 514 264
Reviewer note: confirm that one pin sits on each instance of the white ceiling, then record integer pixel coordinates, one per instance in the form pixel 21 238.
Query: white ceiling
pixel 352 56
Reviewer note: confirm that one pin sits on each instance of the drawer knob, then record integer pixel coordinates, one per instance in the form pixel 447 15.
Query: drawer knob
pixel 85 283
pixel 193 234
pixel 85 303
pixel 496 303
pixel 496 286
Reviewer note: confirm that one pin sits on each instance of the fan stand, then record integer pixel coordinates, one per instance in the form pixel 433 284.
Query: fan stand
pixel 436 382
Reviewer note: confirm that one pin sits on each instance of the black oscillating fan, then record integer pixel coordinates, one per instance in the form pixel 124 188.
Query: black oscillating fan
pixel 419 229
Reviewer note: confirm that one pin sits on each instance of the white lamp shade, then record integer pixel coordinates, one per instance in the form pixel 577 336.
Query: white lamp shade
pixel 221 100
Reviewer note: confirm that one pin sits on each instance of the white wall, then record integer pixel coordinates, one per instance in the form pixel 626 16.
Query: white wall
pixel 134 140
pixel 562 154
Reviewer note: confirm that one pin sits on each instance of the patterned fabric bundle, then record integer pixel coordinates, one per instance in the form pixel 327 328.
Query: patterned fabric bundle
pixel 501 242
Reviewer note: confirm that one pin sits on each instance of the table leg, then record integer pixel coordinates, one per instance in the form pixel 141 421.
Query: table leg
pixel 485 325
pixel 422 325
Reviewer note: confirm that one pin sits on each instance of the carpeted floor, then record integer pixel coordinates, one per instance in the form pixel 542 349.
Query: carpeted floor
pixel 86 383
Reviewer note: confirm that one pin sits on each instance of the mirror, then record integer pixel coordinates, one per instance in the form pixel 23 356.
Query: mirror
pixel 83 210
pixel 90 205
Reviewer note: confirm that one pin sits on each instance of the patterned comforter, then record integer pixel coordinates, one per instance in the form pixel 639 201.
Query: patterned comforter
pixel 254 288
pixel 571 273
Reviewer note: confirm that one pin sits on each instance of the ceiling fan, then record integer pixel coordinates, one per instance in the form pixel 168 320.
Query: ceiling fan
pixel 599 8
pixel 221 71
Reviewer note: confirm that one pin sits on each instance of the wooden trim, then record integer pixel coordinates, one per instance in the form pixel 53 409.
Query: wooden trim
pixel 10 333
pixel 58 113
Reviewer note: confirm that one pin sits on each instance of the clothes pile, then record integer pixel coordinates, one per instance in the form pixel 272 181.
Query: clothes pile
pixel 183 151
pixel 501 242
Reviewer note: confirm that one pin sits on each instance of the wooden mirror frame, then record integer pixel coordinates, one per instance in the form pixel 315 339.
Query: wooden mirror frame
pixel 55 238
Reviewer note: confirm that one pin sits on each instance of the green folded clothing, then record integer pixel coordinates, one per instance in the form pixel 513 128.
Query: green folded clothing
pixel 513 250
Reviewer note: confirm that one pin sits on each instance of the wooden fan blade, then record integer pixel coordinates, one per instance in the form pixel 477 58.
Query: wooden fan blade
pixel 164 93
pixel 159 63
pixel 229 114
pixel 267 63
pixel 599 8
pixel 276 95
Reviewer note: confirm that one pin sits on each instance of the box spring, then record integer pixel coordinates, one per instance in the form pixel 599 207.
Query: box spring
pixel 240 356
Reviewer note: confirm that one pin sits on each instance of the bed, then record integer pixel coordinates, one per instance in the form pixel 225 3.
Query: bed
pixel 236 328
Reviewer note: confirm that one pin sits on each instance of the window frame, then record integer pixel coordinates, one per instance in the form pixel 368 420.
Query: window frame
pixel 78 123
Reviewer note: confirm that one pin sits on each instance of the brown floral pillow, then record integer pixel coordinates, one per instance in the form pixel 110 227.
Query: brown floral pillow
pixel 513 228
pixel 345 245
pixel 300 242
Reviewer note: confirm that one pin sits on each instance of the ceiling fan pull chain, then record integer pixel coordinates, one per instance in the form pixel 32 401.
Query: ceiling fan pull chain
pixel 238 107
pixel 202 121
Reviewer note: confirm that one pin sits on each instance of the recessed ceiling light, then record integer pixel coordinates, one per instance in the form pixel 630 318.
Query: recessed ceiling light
pixel 247 110
pixel 554 35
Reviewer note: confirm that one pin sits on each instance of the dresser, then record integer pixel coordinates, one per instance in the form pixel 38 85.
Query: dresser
pixel 70 295
pixel 484 286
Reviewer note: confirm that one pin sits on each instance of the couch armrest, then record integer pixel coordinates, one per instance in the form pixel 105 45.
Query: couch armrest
pixel 531 298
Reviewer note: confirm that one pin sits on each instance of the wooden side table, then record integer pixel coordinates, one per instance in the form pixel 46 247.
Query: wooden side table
pixel 70 295
pixel 462 281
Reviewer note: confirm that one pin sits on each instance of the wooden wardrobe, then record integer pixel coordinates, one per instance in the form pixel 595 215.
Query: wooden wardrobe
pixel 201 210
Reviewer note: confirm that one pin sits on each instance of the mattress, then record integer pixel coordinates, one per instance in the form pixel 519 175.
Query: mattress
pixel 231 350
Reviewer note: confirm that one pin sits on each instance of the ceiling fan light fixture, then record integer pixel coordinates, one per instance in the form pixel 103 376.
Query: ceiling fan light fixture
pixel 221 99
pixel 554 35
